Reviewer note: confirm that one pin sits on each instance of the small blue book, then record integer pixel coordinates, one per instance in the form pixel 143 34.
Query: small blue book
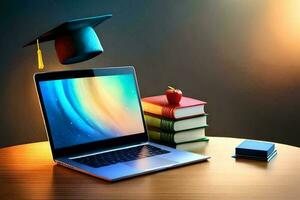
pixel 272 155
pixel 255 148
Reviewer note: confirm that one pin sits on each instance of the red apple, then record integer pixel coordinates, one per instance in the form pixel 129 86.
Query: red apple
pixel 173 95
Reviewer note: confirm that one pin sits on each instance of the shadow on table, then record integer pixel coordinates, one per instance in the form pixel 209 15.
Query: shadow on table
pixel 69 183
pixel 254 163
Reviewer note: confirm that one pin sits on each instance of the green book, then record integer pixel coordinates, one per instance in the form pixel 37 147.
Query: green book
pixel 187 146
pixel 176 137
pixel 176 125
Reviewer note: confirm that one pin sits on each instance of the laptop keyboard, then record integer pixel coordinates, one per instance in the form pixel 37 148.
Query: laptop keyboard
pixel 118 156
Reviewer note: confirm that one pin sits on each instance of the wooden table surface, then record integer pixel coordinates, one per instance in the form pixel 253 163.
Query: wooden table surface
pixel 28 172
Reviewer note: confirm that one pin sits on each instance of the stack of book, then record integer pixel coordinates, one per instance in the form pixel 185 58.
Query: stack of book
pixel 181 126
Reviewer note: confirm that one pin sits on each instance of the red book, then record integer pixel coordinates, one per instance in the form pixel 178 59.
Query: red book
pixel 158 105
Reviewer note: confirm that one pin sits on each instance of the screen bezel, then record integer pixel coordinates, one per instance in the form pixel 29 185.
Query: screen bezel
pixel 135 138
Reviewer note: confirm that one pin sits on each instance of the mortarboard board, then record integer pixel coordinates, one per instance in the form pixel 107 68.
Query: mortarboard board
pixel 75 40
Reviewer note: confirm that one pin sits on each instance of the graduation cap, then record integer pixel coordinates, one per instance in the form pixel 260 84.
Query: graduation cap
pixel 75 40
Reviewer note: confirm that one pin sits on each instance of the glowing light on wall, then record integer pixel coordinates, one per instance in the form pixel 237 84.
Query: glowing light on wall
pixel 275 42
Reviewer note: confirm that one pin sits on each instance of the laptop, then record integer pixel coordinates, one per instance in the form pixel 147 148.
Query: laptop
pixel 95 124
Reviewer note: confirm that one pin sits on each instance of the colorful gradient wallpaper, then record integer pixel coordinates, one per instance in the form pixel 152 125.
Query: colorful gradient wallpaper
pixel 241 56
pixel 83 110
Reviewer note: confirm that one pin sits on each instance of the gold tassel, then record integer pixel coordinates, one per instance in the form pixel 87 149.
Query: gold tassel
pixel 40 56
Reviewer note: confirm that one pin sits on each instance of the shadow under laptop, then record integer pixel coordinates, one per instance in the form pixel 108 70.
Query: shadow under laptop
pixel 67 184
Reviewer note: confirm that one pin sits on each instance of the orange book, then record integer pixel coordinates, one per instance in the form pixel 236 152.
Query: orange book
pixel 158 105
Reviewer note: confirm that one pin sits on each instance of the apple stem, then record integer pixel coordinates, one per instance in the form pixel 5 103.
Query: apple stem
pixel 171 88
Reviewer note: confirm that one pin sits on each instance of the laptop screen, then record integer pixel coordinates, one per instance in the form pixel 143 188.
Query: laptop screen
pixel 90 109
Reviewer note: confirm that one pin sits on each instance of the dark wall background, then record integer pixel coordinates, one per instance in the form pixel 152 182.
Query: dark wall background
pixel 242 56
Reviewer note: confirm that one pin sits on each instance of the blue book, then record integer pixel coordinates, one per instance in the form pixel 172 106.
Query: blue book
pixel 272 155
pixel 255 148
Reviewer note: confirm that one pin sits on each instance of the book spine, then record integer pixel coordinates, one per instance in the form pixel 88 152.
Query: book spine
pixel 154 135
pixel 152 121
pixel 167 138
pixel 163 124
pixel 166 125
pixel 168 112
pixel 161 137
pixel 151 108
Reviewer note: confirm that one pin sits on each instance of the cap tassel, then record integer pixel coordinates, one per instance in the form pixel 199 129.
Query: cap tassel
pixel 40 56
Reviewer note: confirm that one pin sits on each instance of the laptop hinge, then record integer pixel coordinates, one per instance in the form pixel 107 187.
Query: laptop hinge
pixel 107 150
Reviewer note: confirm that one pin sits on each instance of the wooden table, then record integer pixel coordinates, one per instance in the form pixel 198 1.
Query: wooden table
pixel 27 172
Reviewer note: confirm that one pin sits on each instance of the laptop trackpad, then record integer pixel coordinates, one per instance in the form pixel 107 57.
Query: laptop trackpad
pixel 150 163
